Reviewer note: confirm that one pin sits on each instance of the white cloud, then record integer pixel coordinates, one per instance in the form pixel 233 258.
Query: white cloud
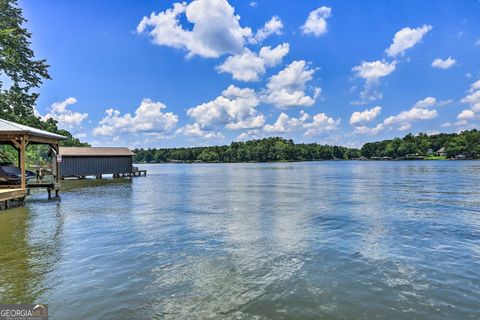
pixel 405 126
pixel 287 88
pixel 475 86
pixel 426 103
pixel 234 109
pixel 413 114
pixel 249 66
pixel 273 26
pixel 365 116
pixel 253 4
pixel 374 70
pixel 244 136
pixel 403 120
pixel 371 72
pixel 364 130
pixel 286 124
pixel 405 39
pixel 67 119
pixel 477 43
pixel 317 21
pixel 466 115
pixel 320 124
pixel 473 97
pixel 313 126
pixel 148 118
pixel 216 29
pixel 194 130
pixel 444 64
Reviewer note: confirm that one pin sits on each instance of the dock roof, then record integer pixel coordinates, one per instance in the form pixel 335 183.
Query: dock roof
pixel 8 127
pixel 95 152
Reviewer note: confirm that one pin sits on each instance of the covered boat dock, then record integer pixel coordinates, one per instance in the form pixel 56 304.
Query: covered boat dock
pixel 80 162
pixel 20 137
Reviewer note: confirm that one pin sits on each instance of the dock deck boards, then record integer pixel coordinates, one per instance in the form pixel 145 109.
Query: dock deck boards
pixel 8 194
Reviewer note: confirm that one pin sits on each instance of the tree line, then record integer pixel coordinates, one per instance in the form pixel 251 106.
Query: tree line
pixel 447 145
pixel 263 150
pixel 466 143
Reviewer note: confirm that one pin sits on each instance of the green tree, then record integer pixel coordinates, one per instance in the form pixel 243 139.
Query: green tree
pixel 457 145
pixel 21 73
pixel 18 64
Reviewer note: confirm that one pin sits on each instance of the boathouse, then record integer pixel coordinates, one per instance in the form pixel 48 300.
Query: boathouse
pixel 20 137
pixel 80 162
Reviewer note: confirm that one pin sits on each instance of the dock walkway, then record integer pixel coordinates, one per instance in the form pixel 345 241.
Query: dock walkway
pixel 8 196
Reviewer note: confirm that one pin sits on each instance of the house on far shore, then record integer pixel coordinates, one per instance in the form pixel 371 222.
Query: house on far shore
pixel 441 152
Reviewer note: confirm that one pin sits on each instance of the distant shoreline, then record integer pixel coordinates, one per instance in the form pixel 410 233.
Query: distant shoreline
pixel 443 146
pixel 293 161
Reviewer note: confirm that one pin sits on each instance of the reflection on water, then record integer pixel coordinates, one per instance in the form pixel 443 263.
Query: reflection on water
pixel 331 240
pixel 29 253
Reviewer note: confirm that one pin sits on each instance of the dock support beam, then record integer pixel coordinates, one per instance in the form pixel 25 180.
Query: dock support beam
pixel 22 161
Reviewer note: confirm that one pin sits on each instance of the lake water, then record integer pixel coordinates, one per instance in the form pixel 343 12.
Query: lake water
pixel 316 240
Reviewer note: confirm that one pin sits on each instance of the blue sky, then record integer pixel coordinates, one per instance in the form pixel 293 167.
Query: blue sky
pixel 207 72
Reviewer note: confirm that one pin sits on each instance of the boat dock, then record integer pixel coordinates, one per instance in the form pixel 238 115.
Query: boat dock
pixel 20 137
pixel 82 162
pixel 50 186
pixel 138 173
pixel 10 196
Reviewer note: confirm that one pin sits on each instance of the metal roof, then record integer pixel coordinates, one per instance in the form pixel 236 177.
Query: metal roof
pixel 12 127
pixel 95 151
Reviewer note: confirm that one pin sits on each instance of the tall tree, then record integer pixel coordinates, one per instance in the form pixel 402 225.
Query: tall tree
pixel 20 71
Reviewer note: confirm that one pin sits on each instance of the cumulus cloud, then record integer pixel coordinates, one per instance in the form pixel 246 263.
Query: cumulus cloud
pixel 148 118
pixel 473 97
pixel 321 123
pixel 474 87
pixel 287 88
pixel 406 38
pixel 371 72
pixel 251 134
pixel 316 23
pixel 312 126
pixel 466 115
pixel 216 29
pixel 194 130
pixel 374 70
pixel 66 118
pixel 364 130
pixel 444 64
pixel 365 116
pixel 430 102
pixel 403 120
pixel 250 66
pixel 273 26
pixel 413 114
pixel 234 109
pixel 285 124
pixel 426 103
